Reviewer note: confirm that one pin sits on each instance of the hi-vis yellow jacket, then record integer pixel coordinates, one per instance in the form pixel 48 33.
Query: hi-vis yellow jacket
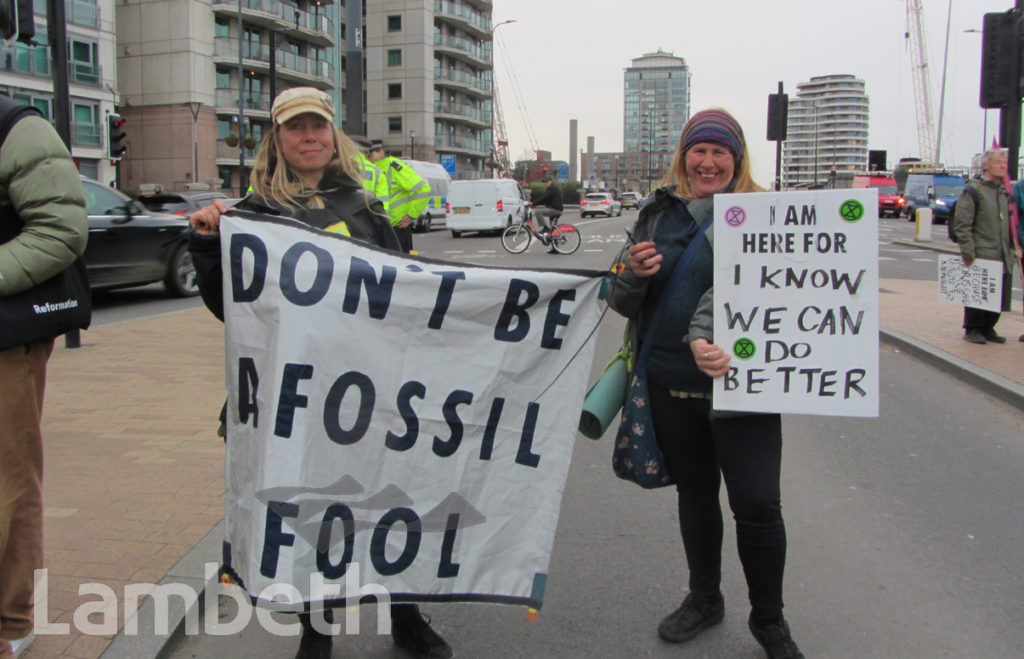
pixel 373 179
pixel 408 193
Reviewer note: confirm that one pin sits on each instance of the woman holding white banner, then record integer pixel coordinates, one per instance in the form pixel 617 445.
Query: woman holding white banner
pixel 306 169
pixel 698 445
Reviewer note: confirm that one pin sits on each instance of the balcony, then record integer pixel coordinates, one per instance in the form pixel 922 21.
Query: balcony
pixel 465 174
pixel 267 13
pixel 465 49
pixel 464 111
pixel 230 153
pixel 463 143
pixel 25 60
pixel 85 73
pixel 312 27
pixel 82 12
pixel 464 80
pixel 290 66
pixel 227 101
pixel 462 16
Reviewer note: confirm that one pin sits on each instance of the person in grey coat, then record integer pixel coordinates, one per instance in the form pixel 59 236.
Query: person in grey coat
pixel 982 227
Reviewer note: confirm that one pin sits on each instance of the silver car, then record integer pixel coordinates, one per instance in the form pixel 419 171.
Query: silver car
pixel 600 203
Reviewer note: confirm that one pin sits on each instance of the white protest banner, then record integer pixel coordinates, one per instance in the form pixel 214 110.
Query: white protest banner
pixel 979 285
pixel 393 420
pixel 796 301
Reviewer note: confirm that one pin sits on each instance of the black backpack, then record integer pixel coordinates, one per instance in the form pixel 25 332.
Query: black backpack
pixel 11 112
pixel 975 197
pixel 50 308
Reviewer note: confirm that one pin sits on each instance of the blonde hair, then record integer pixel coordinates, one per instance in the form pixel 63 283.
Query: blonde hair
pixel 274 180
pixel 741 179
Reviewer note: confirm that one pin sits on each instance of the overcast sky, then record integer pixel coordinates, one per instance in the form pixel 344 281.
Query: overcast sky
pixel 565 59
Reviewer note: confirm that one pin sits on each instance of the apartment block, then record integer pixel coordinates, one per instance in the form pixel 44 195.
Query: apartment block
pixel 429 81
pixel 26 74
pixel 828 130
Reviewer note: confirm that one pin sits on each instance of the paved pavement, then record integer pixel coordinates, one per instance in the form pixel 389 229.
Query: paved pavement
pixel 134 470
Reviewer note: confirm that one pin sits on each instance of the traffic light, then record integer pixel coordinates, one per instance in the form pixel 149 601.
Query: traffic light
pixel 1000 55
pixel 876 160
pixel 17 20
pixel 778 116
pixel 114 136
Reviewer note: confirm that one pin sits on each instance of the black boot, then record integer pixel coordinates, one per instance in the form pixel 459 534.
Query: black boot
pixel 697 612
pixel 775 639
pixel 313 644
pixel 411 631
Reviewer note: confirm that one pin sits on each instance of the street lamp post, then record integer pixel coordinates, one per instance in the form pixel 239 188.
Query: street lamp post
pixel 241 106
pixel 649 126
pixel 495 146
pixel 412 145
pixel 942 91
pixel 194 107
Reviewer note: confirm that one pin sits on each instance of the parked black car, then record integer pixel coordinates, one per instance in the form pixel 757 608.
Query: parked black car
pixel 179 203
pixel 130 245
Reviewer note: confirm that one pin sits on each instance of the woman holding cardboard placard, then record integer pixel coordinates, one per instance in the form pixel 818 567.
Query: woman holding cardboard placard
pixel 699 447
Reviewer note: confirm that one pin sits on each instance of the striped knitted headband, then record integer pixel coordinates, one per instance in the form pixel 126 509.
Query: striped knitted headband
pixel 716 126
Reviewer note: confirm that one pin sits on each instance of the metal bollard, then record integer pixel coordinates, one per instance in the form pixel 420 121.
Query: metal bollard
pixel 923 225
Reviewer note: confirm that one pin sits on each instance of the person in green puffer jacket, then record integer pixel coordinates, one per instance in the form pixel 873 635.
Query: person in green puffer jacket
pixel 43 207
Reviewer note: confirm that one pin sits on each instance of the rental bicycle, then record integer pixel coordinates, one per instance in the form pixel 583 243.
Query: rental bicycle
pixel 563 238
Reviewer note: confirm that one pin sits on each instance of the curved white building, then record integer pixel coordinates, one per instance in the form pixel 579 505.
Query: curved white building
pixel 828 130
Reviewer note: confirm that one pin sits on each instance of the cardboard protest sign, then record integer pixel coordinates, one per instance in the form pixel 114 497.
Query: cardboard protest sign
pixel 395 421
pixel 796 301
pixel 979 285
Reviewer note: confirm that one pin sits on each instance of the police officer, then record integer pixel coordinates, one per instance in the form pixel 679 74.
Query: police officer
pixel 408 193
pixel 374 180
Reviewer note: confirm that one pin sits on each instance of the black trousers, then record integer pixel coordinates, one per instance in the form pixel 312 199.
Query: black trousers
pixel 747 451
pixel 980 319
pixel 404 238
pixel 983 320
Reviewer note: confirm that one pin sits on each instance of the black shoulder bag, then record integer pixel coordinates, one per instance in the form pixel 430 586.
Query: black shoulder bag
pixel 50 308
pixel 636 456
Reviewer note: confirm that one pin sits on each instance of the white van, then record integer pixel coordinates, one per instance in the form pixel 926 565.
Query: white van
pixel 436 176
pixel 486 204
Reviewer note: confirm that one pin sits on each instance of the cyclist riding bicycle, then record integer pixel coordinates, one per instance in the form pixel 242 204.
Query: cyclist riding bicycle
pixel 552 199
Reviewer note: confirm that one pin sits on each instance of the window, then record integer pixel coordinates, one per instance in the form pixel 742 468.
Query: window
pixel 395 57
pixel 85 113
pixel 394 23
pixel 89 167
pixel 220 27
pixel 394 124
pixel 100 200
pixel 394 90
pixel 253 87
pixel 83 62
pixel 85 124
pixel 225 176
pixel 223 79
pixel 38 102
